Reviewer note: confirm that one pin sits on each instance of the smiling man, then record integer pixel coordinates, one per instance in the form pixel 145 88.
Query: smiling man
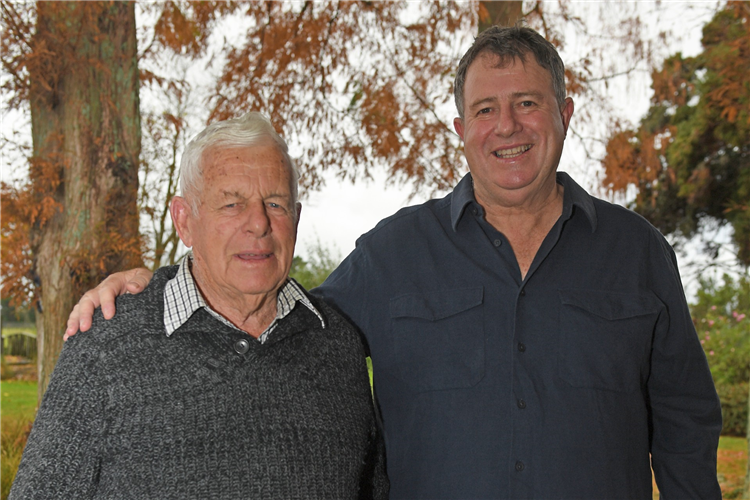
pixel 528 340
pixel 224 378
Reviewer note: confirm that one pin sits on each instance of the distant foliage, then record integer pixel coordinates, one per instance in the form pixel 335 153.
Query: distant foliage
pixel 722 320
pixel 690 157
pixel 314 271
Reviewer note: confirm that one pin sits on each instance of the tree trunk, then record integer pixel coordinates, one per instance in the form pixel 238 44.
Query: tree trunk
pixel 86 142
pixel 499 12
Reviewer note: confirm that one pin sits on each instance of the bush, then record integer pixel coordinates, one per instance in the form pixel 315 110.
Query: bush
pixel 733 408
pixel 722 319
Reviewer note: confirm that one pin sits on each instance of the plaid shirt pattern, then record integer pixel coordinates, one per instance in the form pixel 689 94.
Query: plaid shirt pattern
pixel 182 298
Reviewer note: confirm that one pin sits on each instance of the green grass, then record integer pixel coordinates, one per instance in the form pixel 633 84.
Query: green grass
pixel 18 405
pixel 18 399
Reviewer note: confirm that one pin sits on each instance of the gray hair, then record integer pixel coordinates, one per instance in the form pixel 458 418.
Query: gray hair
pixel 245 131
pixel 509 43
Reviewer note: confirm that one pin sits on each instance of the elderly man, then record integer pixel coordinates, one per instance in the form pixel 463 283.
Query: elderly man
pixel 528 340
pixel 223 379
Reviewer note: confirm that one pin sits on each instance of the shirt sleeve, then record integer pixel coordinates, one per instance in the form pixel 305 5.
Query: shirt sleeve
pixel 685 409
pixel 63 453
pixel 347 291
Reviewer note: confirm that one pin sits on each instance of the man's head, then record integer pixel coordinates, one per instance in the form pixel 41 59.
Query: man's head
pixel 513 117
pixel 239 211
pixel 509 44
pixel 245 131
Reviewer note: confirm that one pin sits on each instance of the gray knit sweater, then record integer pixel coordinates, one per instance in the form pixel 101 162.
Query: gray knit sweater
pixel 132 413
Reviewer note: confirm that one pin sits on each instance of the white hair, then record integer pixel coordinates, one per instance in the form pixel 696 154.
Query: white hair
pixel 247 130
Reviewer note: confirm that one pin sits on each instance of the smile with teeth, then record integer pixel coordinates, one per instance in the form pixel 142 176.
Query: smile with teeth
pixel 512 152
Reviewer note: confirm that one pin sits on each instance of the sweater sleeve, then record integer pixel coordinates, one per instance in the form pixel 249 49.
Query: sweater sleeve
pixel 375 484
pixel 64 450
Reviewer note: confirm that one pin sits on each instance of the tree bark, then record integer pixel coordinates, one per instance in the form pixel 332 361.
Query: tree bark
pixel 86 142
pixel 499 12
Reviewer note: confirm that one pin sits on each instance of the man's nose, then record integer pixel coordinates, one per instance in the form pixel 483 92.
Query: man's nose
pixel 257 221
pixel 507 122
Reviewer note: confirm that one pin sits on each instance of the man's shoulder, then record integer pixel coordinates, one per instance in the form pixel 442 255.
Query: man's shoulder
pixel 407 219
pixel 135 313
pixel 621 218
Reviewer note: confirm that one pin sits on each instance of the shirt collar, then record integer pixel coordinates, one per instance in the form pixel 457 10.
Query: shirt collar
pixel 182 298
pixel 575 195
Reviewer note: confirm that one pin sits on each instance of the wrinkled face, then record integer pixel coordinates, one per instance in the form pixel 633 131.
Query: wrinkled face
pixel 513 129
pixel 244 233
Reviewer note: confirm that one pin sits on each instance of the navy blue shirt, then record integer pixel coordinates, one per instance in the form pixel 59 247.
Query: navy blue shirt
pixel 560 385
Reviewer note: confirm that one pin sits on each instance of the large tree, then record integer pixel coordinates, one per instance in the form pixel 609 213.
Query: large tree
pixel 83 179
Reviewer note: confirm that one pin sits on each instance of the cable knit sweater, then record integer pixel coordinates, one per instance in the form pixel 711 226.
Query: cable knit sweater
pixel 132 413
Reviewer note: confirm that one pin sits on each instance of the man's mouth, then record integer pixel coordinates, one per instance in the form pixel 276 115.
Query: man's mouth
pixel 511 152
pixel 253 256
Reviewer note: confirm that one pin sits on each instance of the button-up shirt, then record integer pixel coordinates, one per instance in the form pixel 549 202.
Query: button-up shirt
pixel 182 298
pixel 563 384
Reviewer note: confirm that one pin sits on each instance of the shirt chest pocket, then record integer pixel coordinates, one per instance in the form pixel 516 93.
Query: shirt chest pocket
pixel 438 339
pixel 605 338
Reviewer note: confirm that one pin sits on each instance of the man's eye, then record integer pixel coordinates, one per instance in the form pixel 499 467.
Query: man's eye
pixel 273 205
pixel 230 205
pixel 527 104
pixel 484 111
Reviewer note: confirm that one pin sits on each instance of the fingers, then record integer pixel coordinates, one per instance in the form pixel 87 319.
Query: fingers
pixel 138 281
pixel 80 318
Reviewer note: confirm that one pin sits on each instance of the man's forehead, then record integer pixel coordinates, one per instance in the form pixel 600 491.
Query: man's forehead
pixel 499 61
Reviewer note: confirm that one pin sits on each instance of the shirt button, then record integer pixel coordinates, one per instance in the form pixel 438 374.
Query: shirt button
pixel 521 347
pixel 523 292
pixel 475 211
pixel 497 242
pixel 242 346
pixel 521 404
pixel 519 466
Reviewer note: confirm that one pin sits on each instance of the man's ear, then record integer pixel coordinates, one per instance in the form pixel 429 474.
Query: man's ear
pixel 567 113
pixel 181 212
pixel 298 208
pixel 458 124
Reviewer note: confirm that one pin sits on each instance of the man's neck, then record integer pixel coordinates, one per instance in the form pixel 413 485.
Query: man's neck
pixel 526 225
pixel 251 313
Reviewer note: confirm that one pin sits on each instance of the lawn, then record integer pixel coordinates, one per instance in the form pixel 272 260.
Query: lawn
pixel 18 405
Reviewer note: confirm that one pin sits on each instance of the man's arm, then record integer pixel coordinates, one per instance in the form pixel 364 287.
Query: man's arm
pixel 63 454
pixel 685 410
pixel 132 281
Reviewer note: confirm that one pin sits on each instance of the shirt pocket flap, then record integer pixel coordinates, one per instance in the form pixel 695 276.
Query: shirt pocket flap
pixel 610 305
pixel 434 306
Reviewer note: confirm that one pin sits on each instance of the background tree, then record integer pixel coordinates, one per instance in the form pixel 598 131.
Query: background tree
pixel 689 160
pixel 81 82
pixel 314 270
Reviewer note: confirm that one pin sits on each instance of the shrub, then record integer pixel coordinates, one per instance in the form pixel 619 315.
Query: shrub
pixel 722 319
pixel 733 408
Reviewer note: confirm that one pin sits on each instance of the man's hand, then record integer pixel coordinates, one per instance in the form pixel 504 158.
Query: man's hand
pixel 132 281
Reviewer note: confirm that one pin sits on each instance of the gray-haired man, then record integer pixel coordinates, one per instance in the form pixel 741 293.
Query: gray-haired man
pixel 224 378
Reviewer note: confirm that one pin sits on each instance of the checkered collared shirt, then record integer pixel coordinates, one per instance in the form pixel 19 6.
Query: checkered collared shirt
pixel 182 298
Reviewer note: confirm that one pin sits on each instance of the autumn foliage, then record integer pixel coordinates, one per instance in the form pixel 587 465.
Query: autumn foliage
pixel 690 157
